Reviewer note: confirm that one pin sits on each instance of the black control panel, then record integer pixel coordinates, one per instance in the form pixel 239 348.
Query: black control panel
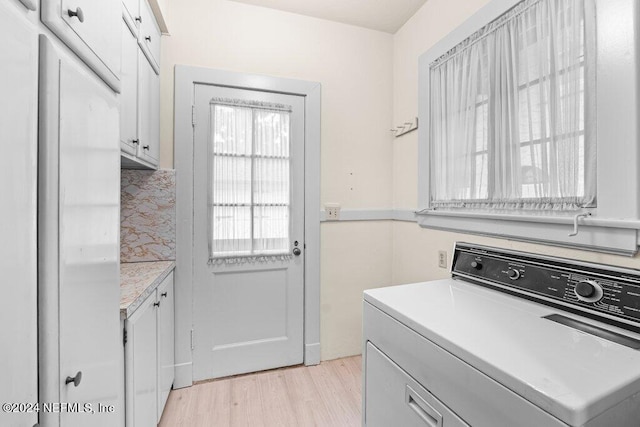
pixel 604 289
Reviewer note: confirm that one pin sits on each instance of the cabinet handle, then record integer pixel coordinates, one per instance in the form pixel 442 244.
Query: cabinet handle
pixel 148 38
pixel 145 147
pixel 164 294
pixel 135 141
pixel 139 19
pixel 156 304
pixel 75 380
pixel 78 13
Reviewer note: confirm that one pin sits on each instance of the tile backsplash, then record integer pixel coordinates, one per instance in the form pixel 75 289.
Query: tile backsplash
pixel 147 215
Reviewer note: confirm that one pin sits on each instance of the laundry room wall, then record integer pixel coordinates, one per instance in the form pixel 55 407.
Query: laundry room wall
pixel 354 66
pixel 415 250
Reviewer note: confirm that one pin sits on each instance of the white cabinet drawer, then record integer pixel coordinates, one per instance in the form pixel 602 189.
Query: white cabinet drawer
pixel 89 28
pixel 392 397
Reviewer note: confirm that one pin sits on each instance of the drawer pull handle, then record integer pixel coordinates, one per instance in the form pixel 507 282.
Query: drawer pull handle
pixel 135 141
pixel 139 19
pixel 148 38
pixel 426 412
pixel 156 304
pixel 164 294
pixel 78 13
pixel 145 147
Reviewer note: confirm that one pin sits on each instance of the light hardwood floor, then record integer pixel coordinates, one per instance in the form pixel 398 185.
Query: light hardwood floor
pixel 324 395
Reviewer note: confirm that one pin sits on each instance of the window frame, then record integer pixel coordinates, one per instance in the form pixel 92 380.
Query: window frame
pixel 613 225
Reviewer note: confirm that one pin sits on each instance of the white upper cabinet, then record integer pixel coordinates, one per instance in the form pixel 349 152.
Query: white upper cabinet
pixel 150 35
pixel 149 104
pixel 18 256
pixel 91 29
pixel 129 140
pixel 133 7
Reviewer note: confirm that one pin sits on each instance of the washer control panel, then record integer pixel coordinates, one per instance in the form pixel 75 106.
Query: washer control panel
pixel 606 289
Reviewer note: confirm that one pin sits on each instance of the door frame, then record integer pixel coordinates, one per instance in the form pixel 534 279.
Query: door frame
pixel 186 77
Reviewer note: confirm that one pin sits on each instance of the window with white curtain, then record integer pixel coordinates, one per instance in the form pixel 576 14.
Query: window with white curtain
pixel 511 114
pixel 249 181
pixel 529 124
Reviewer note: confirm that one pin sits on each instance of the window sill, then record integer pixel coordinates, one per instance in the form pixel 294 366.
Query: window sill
pixel 617 236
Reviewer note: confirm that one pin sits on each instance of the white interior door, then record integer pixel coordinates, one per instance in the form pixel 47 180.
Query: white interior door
pixel 248 232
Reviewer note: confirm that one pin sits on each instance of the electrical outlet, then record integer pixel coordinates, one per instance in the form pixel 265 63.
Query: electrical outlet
pixel 332 211
pixel 442 259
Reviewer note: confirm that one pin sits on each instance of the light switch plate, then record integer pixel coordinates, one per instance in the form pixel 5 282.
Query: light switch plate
pixel 332 211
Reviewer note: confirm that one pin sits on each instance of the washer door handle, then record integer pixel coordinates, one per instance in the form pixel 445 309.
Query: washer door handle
pixel 426 412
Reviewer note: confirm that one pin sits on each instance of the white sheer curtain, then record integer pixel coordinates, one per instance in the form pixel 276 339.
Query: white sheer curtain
pixel 507 113
pixel 249 197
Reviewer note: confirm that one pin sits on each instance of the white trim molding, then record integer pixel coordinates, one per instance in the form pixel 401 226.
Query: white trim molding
pixel 186 77
pixel 407 215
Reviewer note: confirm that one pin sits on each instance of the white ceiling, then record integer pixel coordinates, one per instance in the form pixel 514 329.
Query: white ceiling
pixel 382 15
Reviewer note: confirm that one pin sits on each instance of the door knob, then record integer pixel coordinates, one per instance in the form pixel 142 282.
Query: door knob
pixel 75 380
pixel 78 13
pixel 297 251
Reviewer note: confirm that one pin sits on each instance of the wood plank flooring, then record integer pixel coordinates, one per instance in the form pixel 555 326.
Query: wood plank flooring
pixel 324 395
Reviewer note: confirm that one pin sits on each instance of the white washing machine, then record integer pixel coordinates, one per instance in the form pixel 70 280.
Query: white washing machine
pixel 512 339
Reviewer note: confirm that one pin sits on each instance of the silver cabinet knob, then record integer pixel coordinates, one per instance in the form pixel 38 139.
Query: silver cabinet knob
pixel 164 294
pixel 78 13
pixel 156 304
pixel 139 19
pixel 135 141
pixel 145 147
pixel 148 38
pixel 75 380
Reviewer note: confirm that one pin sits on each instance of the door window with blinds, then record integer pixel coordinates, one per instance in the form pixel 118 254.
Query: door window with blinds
pixel 511 114
pixel 249 181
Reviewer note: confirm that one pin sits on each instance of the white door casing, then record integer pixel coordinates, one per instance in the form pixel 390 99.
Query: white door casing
pixel 248 316
pixel 186 78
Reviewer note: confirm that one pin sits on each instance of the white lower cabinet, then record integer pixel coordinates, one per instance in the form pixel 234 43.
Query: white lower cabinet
pixel 149 357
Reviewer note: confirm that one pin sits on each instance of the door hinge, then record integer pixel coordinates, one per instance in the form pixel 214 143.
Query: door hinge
pixel 124 337
pixel 192 341
pixel 193 115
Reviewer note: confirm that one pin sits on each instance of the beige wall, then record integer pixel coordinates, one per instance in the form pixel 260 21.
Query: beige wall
pixel 414 249
pixel 354 66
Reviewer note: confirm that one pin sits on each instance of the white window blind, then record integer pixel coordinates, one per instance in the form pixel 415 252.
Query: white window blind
pixel 249 181
pixel 511 114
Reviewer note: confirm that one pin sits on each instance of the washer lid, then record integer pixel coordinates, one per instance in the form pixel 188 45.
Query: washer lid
pixel 571 374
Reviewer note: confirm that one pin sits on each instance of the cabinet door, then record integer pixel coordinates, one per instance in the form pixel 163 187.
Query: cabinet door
pixel 129 93
pixel 149 104
pixel 150 34
pixel 92 30
pixel 18 174
pixel 165 341
pixel 79 208
pixel 142 365
pixel 133 7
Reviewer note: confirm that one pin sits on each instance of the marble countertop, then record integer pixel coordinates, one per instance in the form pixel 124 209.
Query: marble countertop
pixel 138 280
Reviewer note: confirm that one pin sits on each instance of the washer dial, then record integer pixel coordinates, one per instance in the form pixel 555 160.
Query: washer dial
pixel 588 291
